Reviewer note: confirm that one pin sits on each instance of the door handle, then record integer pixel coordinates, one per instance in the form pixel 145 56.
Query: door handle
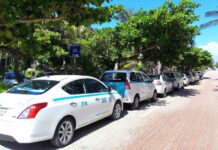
pixel 97 99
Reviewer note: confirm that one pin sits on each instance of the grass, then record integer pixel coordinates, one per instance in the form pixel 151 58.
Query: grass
pixel 3 87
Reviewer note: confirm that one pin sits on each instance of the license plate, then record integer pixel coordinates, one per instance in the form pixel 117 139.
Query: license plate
pixel 3 111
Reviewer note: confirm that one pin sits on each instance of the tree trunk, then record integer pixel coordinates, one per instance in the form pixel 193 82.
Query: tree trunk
pixel 16 71
pixel 159 65
pixel 116 66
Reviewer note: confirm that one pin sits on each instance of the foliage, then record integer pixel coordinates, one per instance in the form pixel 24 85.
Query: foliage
pixel 43 31
pixel 78 12
pixel 216 64
pixel 3 87
pixel 160 34
pixel 195 59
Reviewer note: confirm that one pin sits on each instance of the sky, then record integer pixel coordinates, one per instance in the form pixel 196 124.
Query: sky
pixel 208 40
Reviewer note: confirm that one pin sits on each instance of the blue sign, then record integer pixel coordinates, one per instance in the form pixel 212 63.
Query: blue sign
pixel 74 50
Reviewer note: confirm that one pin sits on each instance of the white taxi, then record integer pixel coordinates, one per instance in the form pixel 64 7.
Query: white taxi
pixel 53 107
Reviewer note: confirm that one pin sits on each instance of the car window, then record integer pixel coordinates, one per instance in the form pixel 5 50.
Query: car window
pixel 154 76
pixel 169 75
pixel 165 78
pixel 75 87
pixel 146 78
pixel 94 86
pixel 114 76
pixel 33 87
pixel 139 77
pixel 133 76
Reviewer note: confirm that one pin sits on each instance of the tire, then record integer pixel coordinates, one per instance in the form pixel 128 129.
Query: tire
pixel 117 110
pixel 164 94
pixel 64 133
pixel 182 86
pixel 177 88
pixel 154 98
pixel 135 103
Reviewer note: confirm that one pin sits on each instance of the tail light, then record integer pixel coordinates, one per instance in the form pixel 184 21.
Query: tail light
pixel 158 83
pixel 127 85
pixel 31 111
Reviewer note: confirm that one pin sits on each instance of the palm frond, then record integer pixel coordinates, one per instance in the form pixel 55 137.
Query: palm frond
pixel 209 24
pixel 211 13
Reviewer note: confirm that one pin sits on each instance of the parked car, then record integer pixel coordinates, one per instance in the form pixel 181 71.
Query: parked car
pixel 51 108
pixel 185 79
pixel 134 86
pixel 200 73
pixel 10 78
pixel 190 77
pixel 196 76
pixel 175 78
pixel 162 84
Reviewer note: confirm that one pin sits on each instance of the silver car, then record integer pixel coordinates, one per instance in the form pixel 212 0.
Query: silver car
pixel 176 79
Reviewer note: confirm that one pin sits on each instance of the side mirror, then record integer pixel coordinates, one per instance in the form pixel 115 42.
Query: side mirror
pixel 109 89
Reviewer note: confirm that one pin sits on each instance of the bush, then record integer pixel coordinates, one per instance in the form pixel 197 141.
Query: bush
pixel 3 87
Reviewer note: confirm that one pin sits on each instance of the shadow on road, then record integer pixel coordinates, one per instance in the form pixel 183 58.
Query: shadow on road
pixel 34 146
pixel 185 93
pixel 206 78
pixel 215 90
pixel 46 145
pixel 144 105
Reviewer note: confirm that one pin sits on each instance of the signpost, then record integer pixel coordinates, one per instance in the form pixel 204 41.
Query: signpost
pixel 74 51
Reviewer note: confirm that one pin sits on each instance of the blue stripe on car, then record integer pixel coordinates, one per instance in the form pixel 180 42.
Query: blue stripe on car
pixel 82 96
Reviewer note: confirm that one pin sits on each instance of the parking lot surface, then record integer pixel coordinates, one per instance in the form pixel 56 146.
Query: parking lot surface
pixel 185 120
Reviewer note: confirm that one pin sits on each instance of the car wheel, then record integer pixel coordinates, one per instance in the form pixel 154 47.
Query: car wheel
pixel 64 133
pixel 154 98
pixel 135 103
pixel 116 111
pixel 177 87
pixel 164 94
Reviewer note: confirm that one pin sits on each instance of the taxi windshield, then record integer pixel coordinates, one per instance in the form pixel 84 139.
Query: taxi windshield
pixel 34 87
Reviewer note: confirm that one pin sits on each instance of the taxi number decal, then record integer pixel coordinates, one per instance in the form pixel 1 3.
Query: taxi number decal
pixel 104 100
pixel 3 111
pixel 84 104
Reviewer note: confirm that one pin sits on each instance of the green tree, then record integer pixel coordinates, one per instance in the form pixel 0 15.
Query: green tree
pixel 25 31
pixel 195 59
pixel 159 34
pixel 216 64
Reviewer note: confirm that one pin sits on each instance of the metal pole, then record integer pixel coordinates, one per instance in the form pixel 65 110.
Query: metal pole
pixel 74 65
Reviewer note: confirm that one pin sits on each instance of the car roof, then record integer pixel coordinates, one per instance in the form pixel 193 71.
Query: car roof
pixel 62 77
pixel 125 71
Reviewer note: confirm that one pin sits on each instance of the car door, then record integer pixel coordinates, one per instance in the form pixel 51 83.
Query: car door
pixel 167 83
pixel 99 95
pixel 81 104
pixel 149 85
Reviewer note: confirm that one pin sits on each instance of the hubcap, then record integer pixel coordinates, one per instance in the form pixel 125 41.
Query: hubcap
pixel 65 132
pixel 117 111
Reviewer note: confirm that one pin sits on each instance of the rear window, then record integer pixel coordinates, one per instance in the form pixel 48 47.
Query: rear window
pixel 113 76
pixel 34 87
pixel 154 76
pixel 11 75
pixel 169 75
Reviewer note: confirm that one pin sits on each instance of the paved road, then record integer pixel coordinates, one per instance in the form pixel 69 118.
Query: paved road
pixel 184 120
